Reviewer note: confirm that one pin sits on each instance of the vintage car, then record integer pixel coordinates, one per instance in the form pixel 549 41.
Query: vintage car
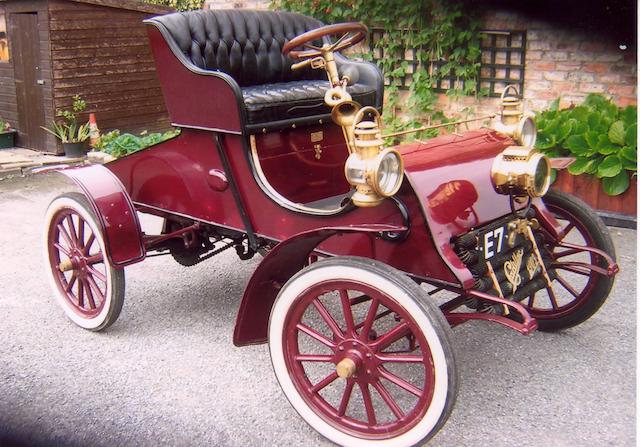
pixel 281 154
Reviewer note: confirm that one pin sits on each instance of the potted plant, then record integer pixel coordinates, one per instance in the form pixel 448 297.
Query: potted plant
pixel 7 135
pixel 72 135
pixel 602 138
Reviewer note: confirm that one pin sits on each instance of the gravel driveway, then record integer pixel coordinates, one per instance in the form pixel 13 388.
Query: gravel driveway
pixel 167 374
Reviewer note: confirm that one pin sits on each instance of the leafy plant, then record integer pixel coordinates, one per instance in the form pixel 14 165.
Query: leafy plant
pixel 4 126
pixel 179 5
pixel 444 40
pixel 119 145
pixel 67 129
pixel 601 136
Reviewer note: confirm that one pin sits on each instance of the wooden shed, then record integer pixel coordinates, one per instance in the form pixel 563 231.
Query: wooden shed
pixel 51 50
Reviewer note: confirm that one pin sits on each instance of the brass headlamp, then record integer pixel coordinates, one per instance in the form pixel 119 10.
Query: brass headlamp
pixel 374 171
pixel 512 121
pixel 521 171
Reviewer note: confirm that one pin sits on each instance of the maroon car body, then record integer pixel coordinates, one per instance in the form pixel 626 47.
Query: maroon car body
pixel 252 185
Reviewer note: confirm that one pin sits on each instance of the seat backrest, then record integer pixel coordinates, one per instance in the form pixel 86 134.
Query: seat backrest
pixel 245 44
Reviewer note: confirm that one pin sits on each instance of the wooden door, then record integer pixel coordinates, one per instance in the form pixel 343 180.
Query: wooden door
pixel 25 50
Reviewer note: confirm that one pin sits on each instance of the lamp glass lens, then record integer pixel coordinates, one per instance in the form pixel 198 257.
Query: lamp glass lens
pixel 541 176
pixel 388 172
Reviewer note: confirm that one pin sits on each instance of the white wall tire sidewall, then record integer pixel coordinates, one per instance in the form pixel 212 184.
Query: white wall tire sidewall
pixel 287 296
pixel 84 322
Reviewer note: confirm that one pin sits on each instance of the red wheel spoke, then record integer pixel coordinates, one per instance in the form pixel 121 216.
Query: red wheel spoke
pixel 95 287
pixel 88 293
pixel 315 334
pixel 314 358
pixel 377 317
pixel 62 249
pixel 400 358
pixel 552 298
pixel 72 230
pixel 400 382
pixel 326 316
pixel 324 382
pixel 567 286
pixel 348 315
pixel 580 267
pixel 65 235
pixel 388 399
pixel 80 294
pixel 532 298
pixel 369 319
pixel 97 274
pixel 570 226
pixel 71 282
pixel 95 259
pixel 572 269
pixel 569 252
pixel 89 243
pixel 81 233
pixel 346 397
pixel 368 403
pixel 391 336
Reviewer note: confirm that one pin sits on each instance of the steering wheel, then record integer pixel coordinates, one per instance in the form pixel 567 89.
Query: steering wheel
pixel 352 33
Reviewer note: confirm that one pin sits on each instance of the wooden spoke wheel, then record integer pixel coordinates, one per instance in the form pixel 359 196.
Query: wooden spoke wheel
pixel 578 289
pixel 362 354
pixel 89 289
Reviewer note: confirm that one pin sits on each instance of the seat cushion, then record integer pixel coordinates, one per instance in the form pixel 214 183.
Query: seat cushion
pixel 295 99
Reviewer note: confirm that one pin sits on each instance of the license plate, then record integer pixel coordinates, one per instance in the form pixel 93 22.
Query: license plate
pixel 494 241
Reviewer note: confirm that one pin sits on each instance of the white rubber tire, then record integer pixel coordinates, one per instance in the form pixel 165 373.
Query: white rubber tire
pixel 409 296
pixel 114 296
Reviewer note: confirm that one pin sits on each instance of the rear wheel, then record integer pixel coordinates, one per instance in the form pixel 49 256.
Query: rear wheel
pixel 87 287
pixel 362 354
pixel 578 291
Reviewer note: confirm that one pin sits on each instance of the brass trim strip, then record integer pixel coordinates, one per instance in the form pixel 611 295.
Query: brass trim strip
pixel 437 126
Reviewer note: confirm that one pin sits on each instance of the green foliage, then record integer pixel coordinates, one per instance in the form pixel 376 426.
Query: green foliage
pixel 119 145
pixel 437 30
pixel 601 136
pixel 67 129
pixel 4 126
pixel 179 5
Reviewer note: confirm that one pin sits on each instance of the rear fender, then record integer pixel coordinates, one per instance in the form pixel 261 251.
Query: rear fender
pixel 116 214
pixel 279 265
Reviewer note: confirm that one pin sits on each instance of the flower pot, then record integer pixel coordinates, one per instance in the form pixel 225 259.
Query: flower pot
pixel 7 139
pixel 74 150
pixel 589 188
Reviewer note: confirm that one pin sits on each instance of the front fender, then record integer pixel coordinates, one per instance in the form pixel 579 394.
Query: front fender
pixel 115 211
pixel 279 265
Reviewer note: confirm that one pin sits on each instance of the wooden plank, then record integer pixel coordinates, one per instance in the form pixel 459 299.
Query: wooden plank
pixel 106 79
pixel 132 5
pixel 97 34
pixel 101 71
pixel 142 48
pixel 115 42
pixel 120 95
pixel 111 88
pixel 142 59
pixel 97 24
pixel 94 14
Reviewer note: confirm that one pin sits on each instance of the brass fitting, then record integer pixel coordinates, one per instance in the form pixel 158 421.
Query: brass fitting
pixel 374 171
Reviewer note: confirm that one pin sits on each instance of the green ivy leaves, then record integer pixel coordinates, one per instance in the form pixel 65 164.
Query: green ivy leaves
pixel 601 136
pixel 442 38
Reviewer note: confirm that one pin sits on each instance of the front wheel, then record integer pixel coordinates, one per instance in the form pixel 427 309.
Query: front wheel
pixel 577 292
pixel 362 354
pixel 87 287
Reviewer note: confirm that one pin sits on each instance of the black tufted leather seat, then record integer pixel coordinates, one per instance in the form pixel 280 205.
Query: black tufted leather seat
pixel 248 46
